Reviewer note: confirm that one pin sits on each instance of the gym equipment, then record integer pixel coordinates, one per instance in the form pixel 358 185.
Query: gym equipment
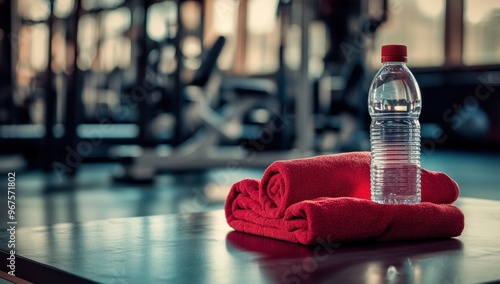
pixel 203 149
pixel 342 127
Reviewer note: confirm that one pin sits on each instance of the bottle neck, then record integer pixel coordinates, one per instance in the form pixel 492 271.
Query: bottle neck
pixel 394 63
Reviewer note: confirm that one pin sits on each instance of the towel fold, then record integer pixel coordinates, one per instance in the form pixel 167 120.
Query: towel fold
pixel 305 200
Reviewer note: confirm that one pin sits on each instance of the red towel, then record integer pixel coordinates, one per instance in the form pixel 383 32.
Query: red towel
pixel 328 197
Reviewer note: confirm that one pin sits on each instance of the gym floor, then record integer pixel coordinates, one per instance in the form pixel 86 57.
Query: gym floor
pixel 92 194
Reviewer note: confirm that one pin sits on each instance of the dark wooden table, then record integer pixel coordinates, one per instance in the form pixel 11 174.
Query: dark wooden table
pixel 202 248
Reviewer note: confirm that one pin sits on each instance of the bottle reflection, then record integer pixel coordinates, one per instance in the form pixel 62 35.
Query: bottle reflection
pixel 404 271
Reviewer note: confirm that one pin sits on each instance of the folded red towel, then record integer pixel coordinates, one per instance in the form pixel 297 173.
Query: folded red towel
pixel 328 197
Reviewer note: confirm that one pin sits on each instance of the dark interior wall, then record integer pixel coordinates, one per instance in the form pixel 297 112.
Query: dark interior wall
pixel 465 103
pixel 5 61
pixel 5 45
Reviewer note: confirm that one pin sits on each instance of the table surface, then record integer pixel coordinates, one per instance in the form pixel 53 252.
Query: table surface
pixel 202 248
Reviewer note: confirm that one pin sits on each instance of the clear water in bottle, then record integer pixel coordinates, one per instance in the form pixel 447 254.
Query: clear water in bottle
pixel 394 105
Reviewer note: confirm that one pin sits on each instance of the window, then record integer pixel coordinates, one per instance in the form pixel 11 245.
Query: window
pixel 262 37
pixel 481 32
pixel 418 24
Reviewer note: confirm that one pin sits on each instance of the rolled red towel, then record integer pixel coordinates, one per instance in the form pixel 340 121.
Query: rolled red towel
pixel 326 196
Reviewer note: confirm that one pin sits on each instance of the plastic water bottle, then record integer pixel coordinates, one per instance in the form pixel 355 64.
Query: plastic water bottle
pixel 394 104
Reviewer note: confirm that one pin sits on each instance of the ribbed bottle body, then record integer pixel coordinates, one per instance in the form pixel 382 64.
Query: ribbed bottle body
pixel 395 164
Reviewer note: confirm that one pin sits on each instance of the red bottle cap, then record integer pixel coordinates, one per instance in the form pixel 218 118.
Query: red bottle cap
pixel 394 52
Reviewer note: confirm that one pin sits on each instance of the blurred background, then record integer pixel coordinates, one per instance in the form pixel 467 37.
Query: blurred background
pixel 121 108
